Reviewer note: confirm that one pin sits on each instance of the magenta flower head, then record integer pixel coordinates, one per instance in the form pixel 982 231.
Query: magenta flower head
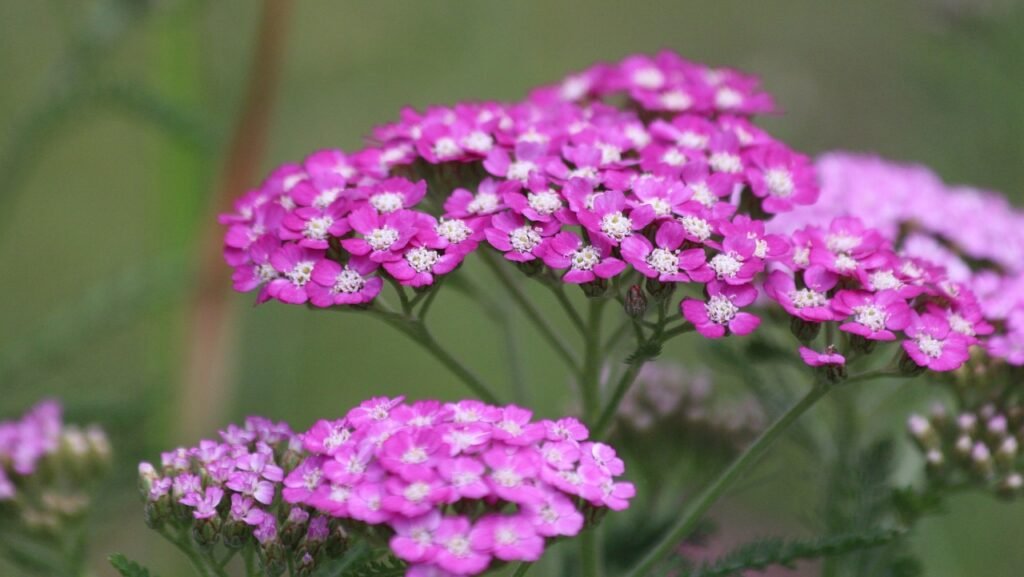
pixel 874 315
pixel 586 263
pixel 828 358
pixel 411 467
pixel 350 284
pixel 720 314
pixel 931 343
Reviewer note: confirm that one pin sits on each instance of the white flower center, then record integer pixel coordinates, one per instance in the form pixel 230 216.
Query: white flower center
pixel 311 480
pixel 961 325
pixel 291 180
pixel 483 202
pixel 326 198
pixel 348 281
pixel 616 225
pixel 520 170
pixel 507 478
pixel 316 228
pixel 422 259
pixel 725 265
pixel 780 182
pixel 548 514
pixel 720 309
pixel 287 202
pixel 545 202
pixel 870 316
pixel 760 248
pixel 802 255
pixel 584 172
pixel 524 239
pixel 387 201
pixel 663 261
pixel 845 263
pixel 416 491
pixel 726 97
pixel 478 142
pixel 458 546
pixel 421 536
pixel 585 258
pixel 265 272
pixel 650 78
pixel 930 346
pixel 691 139
pixel 414 456
pixel 301 273
pixel 841 242
pixel 446 148
pixel 609 153
pixel 726 162
pixel 454 230
pixel 673 157
pixel 382 238
pixel 702 194
pixel 675 100
pixel 638 136
pixel 505 536
pixel 696 227
pixel 339 494
pixel 884 280
pixel 660 205
pixel 573 88
pixel 805 298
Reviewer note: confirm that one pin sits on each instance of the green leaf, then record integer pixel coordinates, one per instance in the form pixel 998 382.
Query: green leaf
pixel 127 567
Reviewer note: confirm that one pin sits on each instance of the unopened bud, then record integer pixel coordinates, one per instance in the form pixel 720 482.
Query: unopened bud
pixel 147 476
pixel 636 302
pixel 804 331
pixel 967 422
pixel 595 288
pixel 1011 486
pixel 963 446
pixel 659 290
pixel 909 367
pixel 922 431
pixel 206 532
pixel 997 425
pixel 934 459
pixel 862 345
pixel 1007 452
pixel 981 459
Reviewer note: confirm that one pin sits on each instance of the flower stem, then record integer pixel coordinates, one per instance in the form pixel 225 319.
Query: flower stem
pixel 625 382
pixel 418 332
pixel 589 385
pixel 522 569
pixel 535 316
pixel 590 554
pixel 686 523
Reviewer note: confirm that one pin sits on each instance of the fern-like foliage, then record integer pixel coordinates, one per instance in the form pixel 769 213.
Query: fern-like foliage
pixel 127 567
pixel 765 553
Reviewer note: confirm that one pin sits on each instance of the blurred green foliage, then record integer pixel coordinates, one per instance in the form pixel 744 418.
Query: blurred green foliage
pixel 114 115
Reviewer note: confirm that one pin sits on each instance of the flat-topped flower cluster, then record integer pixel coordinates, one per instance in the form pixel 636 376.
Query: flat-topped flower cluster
pixel 650 163
pixel 462 485
pixel 966 244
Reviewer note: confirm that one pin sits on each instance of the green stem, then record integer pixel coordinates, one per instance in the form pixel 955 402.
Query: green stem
pixel 589 385
pixel 570 310
pixel 535 316
pixel 625 382
pixel 688 521
pixel 418 332
pixel 590 554
pixel 522 569
pixel 250 563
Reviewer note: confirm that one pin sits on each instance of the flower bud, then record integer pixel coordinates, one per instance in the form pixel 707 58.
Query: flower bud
pixel 636 302
pixel 862 345
pixel 804 331
pixel 206 532
pixel 997 425
pixel 934 459
pixel 1006 454
pixel 595 289
pixel 147 476
pixel 922 431
pixel 294 527
pixel 658 290
pixel 963 446
pixel 908 366
pixel 966 422
pixel 981 460
pixel 1011 486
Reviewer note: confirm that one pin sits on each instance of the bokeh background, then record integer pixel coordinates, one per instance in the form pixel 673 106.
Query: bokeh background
pixel 124 124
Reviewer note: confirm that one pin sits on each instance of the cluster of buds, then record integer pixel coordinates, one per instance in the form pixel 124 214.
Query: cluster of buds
pixel 48 470
pixel 461 487
pixel 686 404
pixel 977 447
pixel 229 492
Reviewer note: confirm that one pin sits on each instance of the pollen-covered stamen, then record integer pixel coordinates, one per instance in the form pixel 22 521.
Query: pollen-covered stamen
pixel 585 258
pixel 660 206
pixel 326 198
pixel 421 536
pixel 884 280
pixel 348 281
pixel 415 456
pixel 726 162
pixel 507 478
pixel 650 78
pixel 584 172
pixel 382 238
pixel 520 170
pixel 760 248
pixel 446 148
pixel 479 142
pixel 664 261
pixel 301 273
pixel 702 194
pixel 726 265
pixel 960 324
pixel 422 259
pixel 549 514
pixel 453 230
pixel 616 225
pixel 779 182
pixel 720 309
pixel 458 546
pixel 316 228
pixel 673 157
pixel 871 316
pixel 416 492
pixel 726 97
pixel 311 479
pixel 265 272
pixel 691 139
pixel 802 255
pixel 505 536
pixel 609 153
pixel 546 202
pixel 339 493
pixel 805 298
pixel 524 239
pixel 675 100
pixel 696 227
pixel 386 202
pixel 483 203
pixel 839 242
pixel 929 345
pixel 845 263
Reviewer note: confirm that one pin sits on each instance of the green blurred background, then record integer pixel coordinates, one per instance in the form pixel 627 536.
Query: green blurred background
pixel 117 117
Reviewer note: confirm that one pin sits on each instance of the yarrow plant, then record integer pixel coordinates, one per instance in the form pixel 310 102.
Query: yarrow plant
pixel 49 473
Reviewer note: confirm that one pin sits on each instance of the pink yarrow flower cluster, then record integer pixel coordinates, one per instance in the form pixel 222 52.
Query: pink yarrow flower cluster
pixel 960 249
pixel 461 485
pixel 675 185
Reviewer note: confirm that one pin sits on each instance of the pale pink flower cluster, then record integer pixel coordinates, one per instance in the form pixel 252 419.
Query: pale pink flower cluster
pixel 462 485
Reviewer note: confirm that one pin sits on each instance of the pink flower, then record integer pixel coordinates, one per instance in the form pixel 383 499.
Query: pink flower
pixel 555 516
pixel 409 453
pixel 414 538
pixel 933 345
pixel 511 474
pixel 815 359
pixel 313 227
pixel 295 265
pixel 465 476
pixel 455 552
pixel 205 503
pixel 383 236
pixel 520 240
pixel 509 538
pixel 393 195
pixel 540 202
pixel 875 315
pixel 720 314
pixel 609 221
pixel 586 263
pixel 810 303
pixel 349 284
pixel 666 262
pixel 781 178
pixel 487 201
